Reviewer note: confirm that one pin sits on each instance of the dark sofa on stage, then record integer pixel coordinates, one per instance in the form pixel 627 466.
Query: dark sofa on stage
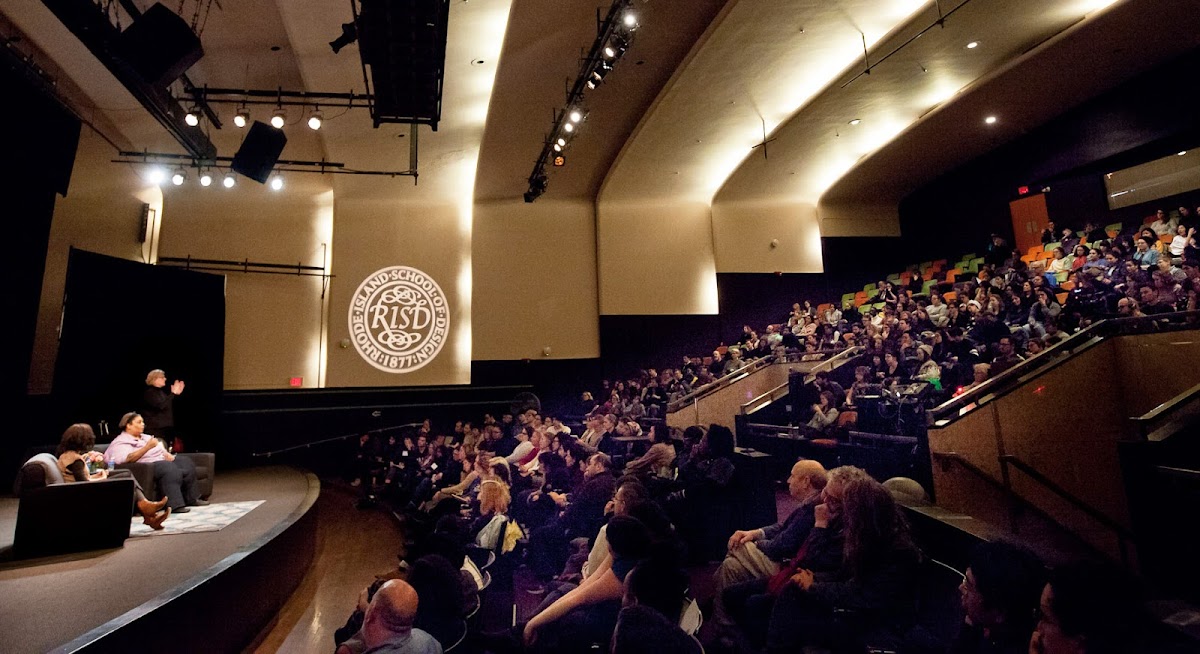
pixel 57 517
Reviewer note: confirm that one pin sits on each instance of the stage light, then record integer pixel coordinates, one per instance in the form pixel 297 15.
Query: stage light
pixel 856 121
pixel 156 176
pixel 972 45
pixel 276 182
pixel 560 160
pixel 205 178
pixel 990 120
pixel 630 20
pixel 610 51
pixel 193 116
pixel 568 128
pixel 241 118
pixel 179 176
pixel 557 148
pixel 1181 153
pixel 229 180
pixel 561 142
pixel 278 118
pixel 314 120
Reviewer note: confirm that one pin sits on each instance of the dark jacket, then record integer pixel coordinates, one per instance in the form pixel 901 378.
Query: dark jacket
pixel 585 514
pixel 157 409
pixel 781 540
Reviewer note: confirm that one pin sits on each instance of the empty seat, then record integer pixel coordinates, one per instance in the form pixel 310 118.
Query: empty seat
pixel 1050 246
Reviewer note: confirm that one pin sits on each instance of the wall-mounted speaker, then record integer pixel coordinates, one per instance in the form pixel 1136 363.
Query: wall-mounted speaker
pixel 259 152
pixel 160 46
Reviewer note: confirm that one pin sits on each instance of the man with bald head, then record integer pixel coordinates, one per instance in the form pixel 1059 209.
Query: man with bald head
pixel 388 625
pixel 759 553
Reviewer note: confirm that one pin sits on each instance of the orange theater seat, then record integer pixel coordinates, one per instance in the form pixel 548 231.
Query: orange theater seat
pixel 950 296
pixel 1062 298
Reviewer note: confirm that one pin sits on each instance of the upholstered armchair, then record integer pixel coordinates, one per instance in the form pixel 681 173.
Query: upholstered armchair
pixel 144 473
pixel 56 517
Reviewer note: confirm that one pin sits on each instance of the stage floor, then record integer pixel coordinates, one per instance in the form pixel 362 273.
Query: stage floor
pixel 45 603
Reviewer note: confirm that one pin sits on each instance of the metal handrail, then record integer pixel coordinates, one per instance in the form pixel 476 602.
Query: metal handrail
pixel 334 439
pixel 1002 384
pixel 770 396
pixel 751 367
pixel 1164 419
pixel 1047 483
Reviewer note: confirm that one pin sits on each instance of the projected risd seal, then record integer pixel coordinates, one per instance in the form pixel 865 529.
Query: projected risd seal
pixel 399 319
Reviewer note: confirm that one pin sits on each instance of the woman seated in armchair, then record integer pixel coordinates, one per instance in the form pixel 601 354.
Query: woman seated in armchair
pixel 73 453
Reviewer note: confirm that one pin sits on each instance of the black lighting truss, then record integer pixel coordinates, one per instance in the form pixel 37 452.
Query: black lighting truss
pixel 283 165
pixel 614 33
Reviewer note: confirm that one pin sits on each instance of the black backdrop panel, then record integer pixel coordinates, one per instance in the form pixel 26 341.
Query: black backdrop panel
pixel 122 319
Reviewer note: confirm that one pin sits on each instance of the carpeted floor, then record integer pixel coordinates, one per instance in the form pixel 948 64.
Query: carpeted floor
pixel 47 602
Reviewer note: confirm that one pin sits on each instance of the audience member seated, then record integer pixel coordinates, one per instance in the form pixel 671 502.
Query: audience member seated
pixel 174 476
pixel 581 516
pixel 871 598
pixel 648 623
pixel 999 592
pixel 388 624
pixel 657 462
pixel 1086 608
pixel 825 413
pixel 588 613
pixel 759 553
pixel 700 486
pixel 75 454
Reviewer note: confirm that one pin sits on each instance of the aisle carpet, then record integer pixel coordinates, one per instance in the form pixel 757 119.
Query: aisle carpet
pixel 213 517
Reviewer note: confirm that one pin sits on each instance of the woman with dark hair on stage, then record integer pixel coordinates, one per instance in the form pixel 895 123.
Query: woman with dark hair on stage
pixel 175 476
pixel 73 452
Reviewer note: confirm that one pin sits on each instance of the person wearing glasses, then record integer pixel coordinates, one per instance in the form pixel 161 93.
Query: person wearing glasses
pixel 998 593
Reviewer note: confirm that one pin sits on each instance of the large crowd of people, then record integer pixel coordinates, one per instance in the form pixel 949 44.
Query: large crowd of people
pixel 602 518
pixel 607 548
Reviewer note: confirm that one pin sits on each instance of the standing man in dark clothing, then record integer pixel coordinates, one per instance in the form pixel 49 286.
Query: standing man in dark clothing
pixel 157 406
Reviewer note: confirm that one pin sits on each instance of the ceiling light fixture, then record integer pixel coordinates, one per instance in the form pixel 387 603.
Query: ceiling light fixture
pixel 229 180
pixel 856 121
pixel 156 176
pixel 1181 153
pixel 179 176
pixel 276 182
pixel 241 118
pixel 990 120
pixel 972 45
pixel 278 118
pixel 205 179
pixel 315 119
pixel 192 118
pixel 613 37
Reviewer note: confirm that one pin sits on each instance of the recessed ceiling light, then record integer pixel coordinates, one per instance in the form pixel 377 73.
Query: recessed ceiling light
pixel 972 45
pixel 990 120
pixel 856 121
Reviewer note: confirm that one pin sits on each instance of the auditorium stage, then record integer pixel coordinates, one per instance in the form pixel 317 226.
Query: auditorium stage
pixel 209 591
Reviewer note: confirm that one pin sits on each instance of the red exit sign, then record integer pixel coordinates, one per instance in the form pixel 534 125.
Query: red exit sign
pixel 1022 190
pixel 296 382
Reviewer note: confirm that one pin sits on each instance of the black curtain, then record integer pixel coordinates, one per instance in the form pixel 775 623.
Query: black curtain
pixel 122 319
pixel 39 141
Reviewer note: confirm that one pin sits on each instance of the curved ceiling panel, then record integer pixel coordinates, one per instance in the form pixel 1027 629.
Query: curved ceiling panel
pixel 759 63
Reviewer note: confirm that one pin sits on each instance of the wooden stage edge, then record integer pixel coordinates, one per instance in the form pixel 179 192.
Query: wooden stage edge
pixel 223 608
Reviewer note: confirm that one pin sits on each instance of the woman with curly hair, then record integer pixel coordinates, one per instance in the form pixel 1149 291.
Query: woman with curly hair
pixel 75 449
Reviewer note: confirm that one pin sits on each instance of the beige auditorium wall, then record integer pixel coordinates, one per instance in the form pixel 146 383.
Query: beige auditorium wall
pixel 373 234
pixel 101 213
pixel 656 259
pixel 274 324
pixel 534 271
pixel 843 218
pixel 751 237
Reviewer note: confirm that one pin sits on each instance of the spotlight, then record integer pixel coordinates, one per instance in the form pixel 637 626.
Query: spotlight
pixel 568 128
pixel 276 182
pixel 557 148
pixel 278 118
pixel 193 116
pixel 349 35
pixel 575 115
pixel 560 160
pixel 972 45
pixel 241 118
pixel 856 121
pixel 1181 153
pixel 205 179
pixel 314 120
pixel 616 47
pixel 229 180
pixel 561 142
pixel 178 177
pixel 990 120
pixel 610 52
pixel 156 176
pixel 630 20
pixel 537 186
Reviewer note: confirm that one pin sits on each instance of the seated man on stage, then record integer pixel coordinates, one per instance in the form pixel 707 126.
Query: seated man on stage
pixel 174 476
